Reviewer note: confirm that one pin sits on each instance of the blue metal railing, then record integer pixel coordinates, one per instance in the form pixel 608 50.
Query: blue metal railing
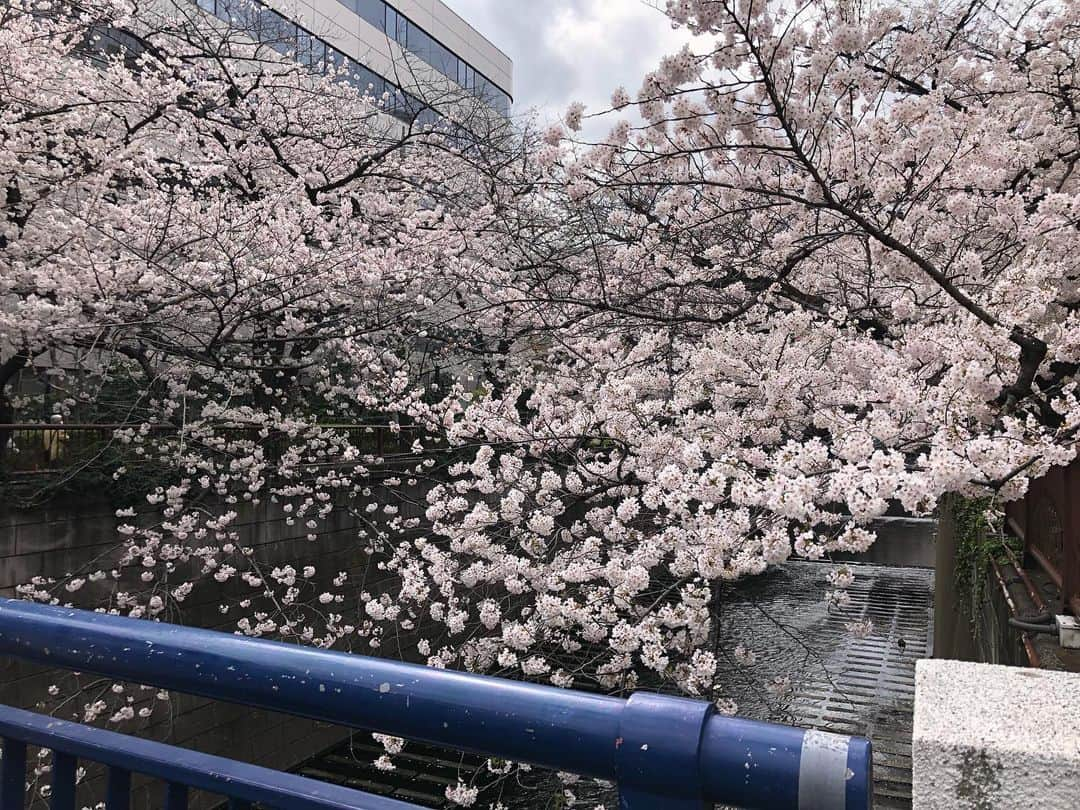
pixel 664 752
pixel 178 768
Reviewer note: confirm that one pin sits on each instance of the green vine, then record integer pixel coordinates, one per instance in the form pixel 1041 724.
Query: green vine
pixel 979 539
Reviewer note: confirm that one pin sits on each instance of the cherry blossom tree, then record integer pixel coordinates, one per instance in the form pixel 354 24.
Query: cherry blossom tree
pixel 823 264
pixel 255 251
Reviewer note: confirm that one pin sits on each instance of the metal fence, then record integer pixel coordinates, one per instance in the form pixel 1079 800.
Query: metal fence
pixel 33 449
pixel 664 752
pixel 38 448
pixel 1046 520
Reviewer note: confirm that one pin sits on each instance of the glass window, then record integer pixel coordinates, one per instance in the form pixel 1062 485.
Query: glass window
pixel 224 9
pixel 373 83
pixel 318 54
pixel 421 44
pixel 373 11
pixel 242 15
pixel 443 60
pixel 393 100
pixel 428 117
pixel 502 103
pixel 208 5
pixel 397 27
pixel 279 33
pixel 366 81
pixel 287 39
pixel 266 23
pixel 303 47
pixel 255 21
pixel 410 106
pixel 491 94
pixel 334 59
pixel 350 71
pixel 379 86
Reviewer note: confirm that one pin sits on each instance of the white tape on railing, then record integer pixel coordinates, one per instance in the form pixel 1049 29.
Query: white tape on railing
pixel 823 771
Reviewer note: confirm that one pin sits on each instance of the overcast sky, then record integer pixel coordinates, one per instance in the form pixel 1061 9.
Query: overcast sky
pixel 572 50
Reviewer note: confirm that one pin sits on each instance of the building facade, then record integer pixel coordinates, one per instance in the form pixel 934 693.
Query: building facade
pixel 402 51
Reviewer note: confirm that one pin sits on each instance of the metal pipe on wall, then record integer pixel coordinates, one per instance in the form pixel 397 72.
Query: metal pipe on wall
pixel 1036 597
pixel 1029 647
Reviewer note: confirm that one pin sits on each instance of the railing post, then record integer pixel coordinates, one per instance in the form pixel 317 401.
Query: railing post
pixel 658 753
pixel 13 773
pixel 176 796
pixel 64 767
pixel 119 790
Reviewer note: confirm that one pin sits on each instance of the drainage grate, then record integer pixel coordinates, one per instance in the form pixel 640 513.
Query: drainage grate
pixel 421 774
pixel 847 685
pixel 875 677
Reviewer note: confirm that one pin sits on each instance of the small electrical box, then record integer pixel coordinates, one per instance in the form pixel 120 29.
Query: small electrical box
pixel 1069 630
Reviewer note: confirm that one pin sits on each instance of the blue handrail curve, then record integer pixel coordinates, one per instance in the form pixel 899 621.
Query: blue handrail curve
pixel 663 751
pixel 179 766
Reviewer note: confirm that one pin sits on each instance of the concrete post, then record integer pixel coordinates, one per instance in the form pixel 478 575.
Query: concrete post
pixel 953 636
pixel 995 738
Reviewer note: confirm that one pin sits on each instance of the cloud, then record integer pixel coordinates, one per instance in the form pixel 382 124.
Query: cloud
pixel 573 50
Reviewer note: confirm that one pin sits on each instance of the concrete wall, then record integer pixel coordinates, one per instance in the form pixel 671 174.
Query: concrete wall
pixel 995 738
pixel 954 628
pixel 905 542
pixel 64 536
pixel 972 623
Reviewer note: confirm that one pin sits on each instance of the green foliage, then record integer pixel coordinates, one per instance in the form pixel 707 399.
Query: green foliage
pixel 979 539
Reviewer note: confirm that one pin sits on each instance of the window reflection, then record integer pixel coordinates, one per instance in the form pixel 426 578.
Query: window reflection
pixel 419 42
pixel 373 11
pixel 283 35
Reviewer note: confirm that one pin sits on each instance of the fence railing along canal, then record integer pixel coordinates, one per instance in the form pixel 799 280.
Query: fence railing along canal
pixel 1048 522
pixel 40 448
pixel 664 752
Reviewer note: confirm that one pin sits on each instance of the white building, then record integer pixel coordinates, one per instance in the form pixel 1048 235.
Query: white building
pixel 401 48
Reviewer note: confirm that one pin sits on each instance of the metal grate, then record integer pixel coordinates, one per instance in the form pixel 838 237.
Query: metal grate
pixel 868 685
pixel 421 773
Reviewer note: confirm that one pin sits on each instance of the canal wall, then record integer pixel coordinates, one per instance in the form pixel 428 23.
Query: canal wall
pixel 65 536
